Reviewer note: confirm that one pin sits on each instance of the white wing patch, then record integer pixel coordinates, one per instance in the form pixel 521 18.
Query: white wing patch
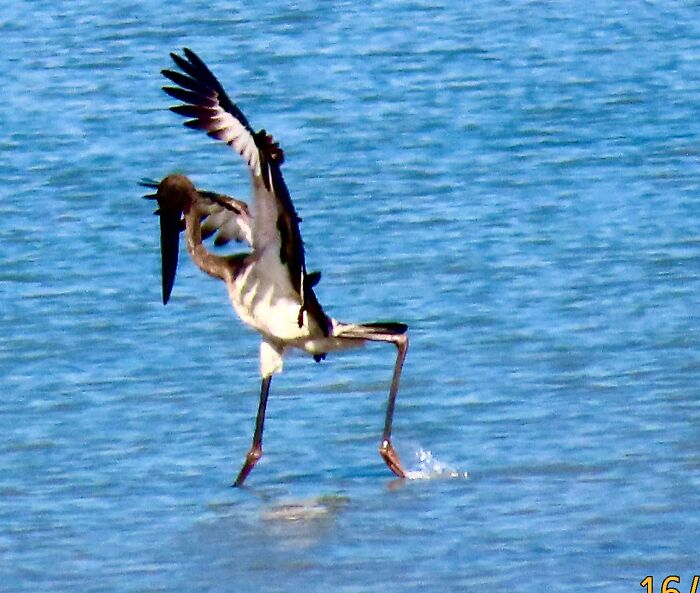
pixel 226 216
pixel 223 126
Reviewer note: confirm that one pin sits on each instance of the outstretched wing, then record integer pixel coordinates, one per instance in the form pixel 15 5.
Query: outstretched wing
pixel 206 104
pixel 228 217
pixel 209 108
pixel 275 220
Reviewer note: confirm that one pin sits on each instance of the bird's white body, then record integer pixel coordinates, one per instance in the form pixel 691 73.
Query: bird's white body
pixel 268 306
pixel 272 309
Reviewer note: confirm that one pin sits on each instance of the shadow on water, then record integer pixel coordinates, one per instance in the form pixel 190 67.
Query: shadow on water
pixel 261 539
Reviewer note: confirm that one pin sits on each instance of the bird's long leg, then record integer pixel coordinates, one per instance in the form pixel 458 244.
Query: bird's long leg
pixel 386 450
pixel 395 334
pixel 255 452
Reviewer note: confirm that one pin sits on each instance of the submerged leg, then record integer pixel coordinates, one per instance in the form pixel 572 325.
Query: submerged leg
pixel 385 449
pixel 255 452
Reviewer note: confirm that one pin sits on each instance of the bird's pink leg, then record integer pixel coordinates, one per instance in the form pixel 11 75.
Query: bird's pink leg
pixel 255 452
pixel 391 457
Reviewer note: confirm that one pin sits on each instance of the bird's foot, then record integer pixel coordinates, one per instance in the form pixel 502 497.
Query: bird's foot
pixel 391 457
pixel 251 459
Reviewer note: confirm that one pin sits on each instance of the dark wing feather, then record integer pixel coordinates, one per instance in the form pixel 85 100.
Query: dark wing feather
pixel 199 71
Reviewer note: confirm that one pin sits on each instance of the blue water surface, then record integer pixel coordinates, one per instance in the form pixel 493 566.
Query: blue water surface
pixel 518 181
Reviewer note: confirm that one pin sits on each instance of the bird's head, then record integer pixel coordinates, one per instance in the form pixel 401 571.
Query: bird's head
pixel 175 194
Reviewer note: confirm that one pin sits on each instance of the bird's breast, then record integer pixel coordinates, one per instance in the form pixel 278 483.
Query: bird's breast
pixel 266 301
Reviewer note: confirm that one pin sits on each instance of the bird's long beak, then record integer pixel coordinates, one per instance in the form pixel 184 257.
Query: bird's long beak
pixel 170 226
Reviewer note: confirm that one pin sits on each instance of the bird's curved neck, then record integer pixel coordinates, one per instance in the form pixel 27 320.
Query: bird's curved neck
pixel 206 261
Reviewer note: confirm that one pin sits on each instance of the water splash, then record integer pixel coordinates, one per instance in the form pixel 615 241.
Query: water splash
pixel 431 468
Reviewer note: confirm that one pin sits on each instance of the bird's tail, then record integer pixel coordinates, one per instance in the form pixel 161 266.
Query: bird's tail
pixel 376 330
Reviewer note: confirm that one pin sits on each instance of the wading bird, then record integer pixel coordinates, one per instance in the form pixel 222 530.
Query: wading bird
pixel 269 287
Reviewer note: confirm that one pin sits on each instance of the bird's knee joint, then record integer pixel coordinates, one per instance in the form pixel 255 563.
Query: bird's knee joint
pixel 254 455
pixel 402 341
